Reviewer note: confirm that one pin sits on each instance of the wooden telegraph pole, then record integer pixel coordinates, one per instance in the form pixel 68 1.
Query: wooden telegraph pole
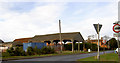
pixel 60 34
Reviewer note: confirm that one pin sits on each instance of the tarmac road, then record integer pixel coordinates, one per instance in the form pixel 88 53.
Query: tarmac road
pixel 64 57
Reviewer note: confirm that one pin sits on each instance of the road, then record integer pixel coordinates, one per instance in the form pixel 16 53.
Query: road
pixel 64 57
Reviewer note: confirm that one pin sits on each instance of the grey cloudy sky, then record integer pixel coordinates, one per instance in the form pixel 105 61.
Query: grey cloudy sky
pixel 20 19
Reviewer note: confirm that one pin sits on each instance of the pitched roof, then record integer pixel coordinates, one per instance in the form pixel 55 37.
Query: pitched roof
pixel 1 41
pixel 7 42
pixel 65 36
pixel 39 38
pixel 22 39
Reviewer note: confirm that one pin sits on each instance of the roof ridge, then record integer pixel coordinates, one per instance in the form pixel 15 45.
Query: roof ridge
pixel 25 38
pixel 57 33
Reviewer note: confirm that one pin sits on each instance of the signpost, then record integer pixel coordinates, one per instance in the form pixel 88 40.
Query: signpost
pixel 116 29
pixel 116 34
pixel 97 28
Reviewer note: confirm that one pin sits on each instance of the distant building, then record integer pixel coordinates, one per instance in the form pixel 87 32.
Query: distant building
pixel 2 48
pixel 33 45
pixel 20 41
pixel 1 43
pixel 52 39
pixel 95 41
pixel 7 44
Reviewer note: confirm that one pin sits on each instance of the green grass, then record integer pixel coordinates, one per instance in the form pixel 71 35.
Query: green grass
pixel 28 56
pixel 104 57
pixel 63 53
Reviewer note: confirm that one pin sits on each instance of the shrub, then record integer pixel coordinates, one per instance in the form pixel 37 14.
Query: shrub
pixel 44 50
pixel 50 50
pixel 10 51
pixel 94 47
pixel 30 51
pixel 6 54
pixel 17 51
pixel 39 52
pixel 47 50
pixel 35 50
pixel 23 53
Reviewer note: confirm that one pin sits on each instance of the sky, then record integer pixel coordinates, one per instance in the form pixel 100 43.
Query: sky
pixel 24 18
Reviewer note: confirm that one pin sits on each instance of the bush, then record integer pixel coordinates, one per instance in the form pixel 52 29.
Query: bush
pixel 23 53
pixel 52 50
pixel 10 51
pixel 39 52
pixel 44 50
pixel 35 50
pixel 6 54
pixel 94 47
pixel 19 51
pixel 47 50
pixel 30 51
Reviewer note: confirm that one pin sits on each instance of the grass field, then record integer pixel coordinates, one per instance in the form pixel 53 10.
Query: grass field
pixel 33 56
pixel 104 57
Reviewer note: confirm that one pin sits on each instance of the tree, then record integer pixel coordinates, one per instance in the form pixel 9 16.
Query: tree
pixel 112 43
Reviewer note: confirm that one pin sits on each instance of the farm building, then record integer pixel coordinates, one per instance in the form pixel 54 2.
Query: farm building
pixel 53 39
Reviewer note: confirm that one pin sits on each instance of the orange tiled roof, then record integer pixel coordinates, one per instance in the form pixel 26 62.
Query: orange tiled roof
pixel 23 40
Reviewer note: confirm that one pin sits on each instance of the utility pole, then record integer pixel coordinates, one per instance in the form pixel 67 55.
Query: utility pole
pixel 60 34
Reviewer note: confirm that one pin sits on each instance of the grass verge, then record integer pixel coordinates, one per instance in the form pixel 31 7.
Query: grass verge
pixel 44 55
pixel 104 57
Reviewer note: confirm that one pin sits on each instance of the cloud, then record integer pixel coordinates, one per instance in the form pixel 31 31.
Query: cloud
pixel 105 15
pixel 59 0
pixel 43 19
pixel 39 20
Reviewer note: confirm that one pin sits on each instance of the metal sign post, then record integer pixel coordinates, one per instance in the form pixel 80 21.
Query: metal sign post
pixel 116 29
pixel 98 44
pixel 118 49
pixel 97 28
